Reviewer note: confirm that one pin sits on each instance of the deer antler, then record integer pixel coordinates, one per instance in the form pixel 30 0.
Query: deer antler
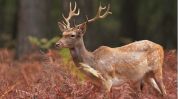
pixel 98 15
pixel 71 14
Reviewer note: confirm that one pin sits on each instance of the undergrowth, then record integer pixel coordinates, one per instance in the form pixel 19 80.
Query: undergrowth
pixel 53 75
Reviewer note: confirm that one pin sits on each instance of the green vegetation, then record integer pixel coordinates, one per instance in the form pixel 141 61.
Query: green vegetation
pixel 43 43
pixel 65 54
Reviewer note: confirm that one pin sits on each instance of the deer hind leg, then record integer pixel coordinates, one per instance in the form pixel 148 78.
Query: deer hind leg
pixel 155 80
pixel 159 80
pixel 154 84
pixel 156 61
pixel 149 79
pixel 157 73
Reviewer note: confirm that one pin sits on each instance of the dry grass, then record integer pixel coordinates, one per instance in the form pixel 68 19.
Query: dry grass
pixel 45 76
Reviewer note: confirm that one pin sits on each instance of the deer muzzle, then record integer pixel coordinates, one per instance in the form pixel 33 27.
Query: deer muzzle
pixel 59 44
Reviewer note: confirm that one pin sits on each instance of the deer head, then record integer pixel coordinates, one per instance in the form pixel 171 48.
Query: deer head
pixel 71 36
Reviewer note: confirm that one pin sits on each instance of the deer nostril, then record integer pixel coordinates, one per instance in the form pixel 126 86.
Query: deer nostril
pixel 59 45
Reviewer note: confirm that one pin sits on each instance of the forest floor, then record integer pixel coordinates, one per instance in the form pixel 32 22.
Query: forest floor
pixel 46 76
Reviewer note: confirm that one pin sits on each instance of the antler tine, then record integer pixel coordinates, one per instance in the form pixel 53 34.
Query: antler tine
pixel 64 23
pixel 98 15
pixel 70 7
pixel 72 13
pixel 107 12
pixel 102 8
pixel 75 6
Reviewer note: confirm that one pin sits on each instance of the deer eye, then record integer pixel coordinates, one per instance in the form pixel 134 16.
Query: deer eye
pixel 72 35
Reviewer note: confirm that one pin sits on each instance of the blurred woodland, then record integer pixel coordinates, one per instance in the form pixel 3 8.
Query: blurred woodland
pixel 131 20
pixel 29 30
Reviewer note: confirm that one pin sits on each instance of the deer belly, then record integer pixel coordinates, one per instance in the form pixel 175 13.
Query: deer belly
pixel 140 70
pixel 133 71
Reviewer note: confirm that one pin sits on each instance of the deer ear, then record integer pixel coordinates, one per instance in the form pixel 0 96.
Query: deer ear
pixel 61 26
pixel 83 28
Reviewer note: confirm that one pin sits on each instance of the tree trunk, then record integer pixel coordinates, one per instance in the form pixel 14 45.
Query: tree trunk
pixel 33 21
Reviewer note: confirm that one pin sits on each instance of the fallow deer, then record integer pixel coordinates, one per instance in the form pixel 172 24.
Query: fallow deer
pixel 136 62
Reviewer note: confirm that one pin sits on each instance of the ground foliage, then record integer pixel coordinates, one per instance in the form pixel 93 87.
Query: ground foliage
pixel 46 76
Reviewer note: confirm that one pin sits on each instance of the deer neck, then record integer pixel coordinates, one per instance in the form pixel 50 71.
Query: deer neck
pixel 80 54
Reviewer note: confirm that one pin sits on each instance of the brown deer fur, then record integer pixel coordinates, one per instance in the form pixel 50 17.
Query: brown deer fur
pixel 136 62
